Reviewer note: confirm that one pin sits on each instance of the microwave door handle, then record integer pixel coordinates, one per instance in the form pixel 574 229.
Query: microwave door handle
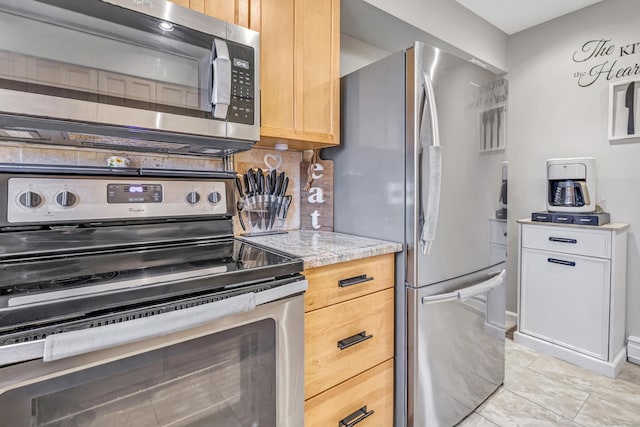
pixel 221 82
pixel 429 221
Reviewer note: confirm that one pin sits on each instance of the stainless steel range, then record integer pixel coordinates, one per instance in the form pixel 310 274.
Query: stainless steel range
pixel 125 300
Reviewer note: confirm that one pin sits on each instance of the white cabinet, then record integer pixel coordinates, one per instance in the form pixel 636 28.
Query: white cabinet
pixel 497 240
pixel 571 290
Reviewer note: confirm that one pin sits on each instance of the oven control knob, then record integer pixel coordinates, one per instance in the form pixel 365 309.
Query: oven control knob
pixel 66 199
pixel 214 197
pixel 193 197
pixel 30 199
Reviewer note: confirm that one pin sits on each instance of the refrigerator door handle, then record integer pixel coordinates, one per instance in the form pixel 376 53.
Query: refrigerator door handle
pixel 430 220
pixel 467 293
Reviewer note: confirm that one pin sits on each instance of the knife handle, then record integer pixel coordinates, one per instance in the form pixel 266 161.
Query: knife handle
pixel 239 187
pixel 285 184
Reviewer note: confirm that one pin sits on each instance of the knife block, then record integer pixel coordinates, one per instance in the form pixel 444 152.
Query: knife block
pixel 262 214
pixel 620 95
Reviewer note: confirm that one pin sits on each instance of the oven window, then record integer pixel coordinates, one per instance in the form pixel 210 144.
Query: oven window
pixel 225 379
pixel 93 51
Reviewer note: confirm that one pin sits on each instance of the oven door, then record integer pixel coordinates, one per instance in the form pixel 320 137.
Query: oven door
pixel 245 369
pixel 134 64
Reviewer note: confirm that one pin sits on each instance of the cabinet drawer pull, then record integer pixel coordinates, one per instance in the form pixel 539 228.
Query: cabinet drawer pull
pixel 561 261
pixel 354 281
pixel 504 233
pixel 356 417
pixel 353 340
pixel 562 240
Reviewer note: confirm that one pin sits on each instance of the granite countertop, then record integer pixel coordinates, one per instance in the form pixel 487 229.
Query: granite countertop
pixel 319 248
pixel 610 226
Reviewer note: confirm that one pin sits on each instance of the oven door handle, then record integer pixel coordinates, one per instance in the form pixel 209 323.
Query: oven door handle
pixel 67 344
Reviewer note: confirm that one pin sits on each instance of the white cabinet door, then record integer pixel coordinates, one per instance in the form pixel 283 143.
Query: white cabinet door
pixel 127 87
pixel 497 253
pixel 565 300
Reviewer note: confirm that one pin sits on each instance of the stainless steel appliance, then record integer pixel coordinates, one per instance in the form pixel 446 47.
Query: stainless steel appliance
pixel 417 113
pixel 141 75
pixel 571 185
pixel 125 300
pixel 501 212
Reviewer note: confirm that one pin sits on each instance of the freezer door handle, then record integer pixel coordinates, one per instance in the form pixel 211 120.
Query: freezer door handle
pixel 467 293
pixel 429 214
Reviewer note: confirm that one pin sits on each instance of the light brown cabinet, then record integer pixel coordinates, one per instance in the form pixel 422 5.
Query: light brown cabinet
pixel 356 397
pixel 241 12
pixel 299 65
pixel 349 318
pixel 300 72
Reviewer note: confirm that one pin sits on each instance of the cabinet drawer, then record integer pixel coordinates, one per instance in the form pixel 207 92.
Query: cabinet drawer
pixel 325 363
pixel 498 232
pixel 565 300
pixel 570 240
pixel 336 283
pixel 372 389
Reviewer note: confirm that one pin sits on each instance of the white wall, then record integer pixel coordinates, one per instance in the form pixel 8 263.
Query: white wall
pixel 355 54
pixel 451 22
pixel 550 115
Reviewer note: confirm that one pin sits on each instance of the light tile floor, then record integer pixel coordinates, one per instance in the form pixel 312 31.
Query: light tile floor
pixel 540 390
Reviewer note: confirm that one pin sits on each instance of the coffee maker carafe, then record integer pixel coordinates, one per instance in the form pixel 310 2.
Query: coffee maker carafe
pixel 571 185
pixel 501 213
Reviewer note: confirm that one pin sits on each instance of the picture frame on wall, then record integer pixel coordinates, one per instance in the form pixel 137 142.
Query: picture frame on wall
pixel 492 128
pixel 623 123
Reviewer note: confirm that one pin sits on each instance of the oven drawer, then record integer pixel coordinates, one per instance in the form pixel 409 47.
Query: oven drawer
pixel 347 338
pixel 336 283
pixel 367 397
pixel 570 240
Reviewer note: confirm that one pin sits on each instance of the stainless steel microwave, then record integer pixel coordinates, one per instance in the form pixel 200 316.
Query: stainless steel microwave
pixel 130 74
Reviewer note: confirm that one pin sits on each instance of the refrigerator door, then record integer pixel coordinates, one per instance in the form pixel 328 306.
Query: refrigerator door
pixel 454 183
pixel 456 347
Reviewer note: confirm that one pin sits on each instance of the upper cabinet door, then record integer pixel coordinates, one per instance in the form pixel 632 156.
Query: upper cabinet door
pixel 300 60
pixel 245 13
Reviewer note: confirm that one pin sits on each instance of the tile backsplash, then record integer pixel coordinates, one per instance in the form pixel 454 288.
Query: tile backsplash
pixel 288 161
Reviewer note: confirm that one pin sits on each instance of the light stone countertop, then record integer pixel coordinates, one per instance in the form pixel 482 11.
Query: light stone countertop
pixel 319 248
pixel 609 226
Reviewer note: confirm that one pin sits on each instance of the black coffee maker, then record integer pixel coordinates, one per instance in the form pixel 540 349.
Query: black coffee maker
pixel 501 213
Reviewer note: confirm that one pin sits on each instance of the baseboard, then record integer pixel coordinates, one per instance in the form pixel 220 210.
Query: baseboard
pixel 511 317
pixel 610 369
pixel 633 349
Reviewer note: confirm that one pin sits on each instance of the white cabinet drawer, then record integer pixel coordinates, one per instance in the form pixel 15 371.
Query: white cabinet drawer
pixel 497 253
pixel 498 231
pixel 578 241
pixel 566 300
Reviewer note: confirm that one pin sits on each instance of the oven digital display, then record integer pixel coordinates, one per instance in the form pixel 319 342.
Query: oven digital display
pixel 134 193
pixel 136 189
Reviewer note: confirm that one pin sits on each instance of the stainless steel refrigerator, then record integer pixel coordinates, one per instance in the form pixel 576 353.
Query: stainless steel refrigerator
pixel 420 162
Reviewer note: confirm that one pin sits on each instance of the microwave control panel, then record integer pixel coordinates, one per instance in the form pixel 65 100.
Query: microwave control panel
pixel 242 106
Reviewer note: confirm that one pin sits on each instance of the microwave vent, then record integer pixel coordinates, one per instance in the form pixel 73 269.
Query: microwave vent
pixel 112 141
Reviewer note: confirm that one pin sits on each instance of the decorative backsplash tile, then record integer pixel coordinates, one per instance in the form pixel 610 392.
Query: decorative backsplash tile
pixel 287 161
